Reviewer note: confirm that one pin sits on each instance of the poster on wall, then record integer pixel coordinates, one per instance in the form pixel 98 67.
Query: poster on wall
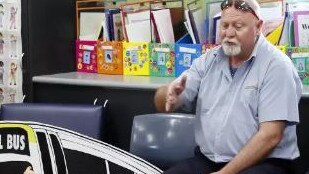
pixel 10 52
pixel 301 28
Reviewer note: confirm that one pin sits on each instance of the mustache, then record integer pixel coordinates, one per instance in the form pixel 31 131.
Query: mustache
pixel 230 41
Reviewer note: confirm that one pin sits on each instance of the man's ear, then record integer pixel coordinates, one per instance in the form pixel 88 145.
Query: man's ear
pixel 259 27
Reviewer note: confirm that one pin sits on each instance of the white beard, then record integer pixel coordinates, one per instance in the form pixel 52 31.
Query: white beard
pixel 231 50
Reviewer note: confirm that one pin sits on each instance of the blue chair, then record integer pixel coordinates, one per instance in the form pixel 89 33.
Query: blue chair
pixel 163 139
pixel 84 119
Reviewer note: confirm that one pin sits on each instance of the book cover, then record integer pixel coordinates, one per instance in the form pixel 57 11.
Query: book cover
pixel 300 58
pixel 136 58
pixel 110 59
pixel 86 56
pixel 162 60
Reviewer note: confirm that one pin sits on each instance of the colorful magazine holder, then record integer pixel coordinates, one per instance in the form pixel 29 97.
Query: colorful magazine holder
pixel 86 56
pixel 136 58
pixel 162 60
pixel 110 59
pixel 186 52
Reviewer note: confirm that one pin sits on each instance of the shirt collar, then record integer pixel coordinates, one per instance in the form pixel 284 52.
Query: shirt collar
pixel 222 57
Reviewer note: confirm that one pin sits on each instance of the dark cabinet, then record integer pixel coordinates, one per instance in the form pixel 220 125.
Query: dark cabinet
pixel 48 34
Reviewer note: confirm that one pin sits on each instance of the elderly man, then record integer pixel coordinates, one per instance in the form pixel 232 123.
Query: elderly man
pixel 245 93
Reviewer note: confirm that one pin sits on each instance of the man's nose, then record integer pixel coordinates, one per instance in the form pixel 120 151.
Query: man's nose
pixel 230 32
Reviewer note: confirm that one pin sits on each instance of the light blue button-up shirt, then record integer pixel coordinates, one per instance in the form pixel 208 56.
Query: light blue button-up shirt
pixel 229 110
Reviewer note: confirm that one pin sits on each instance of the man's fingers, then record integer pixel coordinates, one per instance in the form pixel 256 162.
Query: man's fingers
pixel 173 93
pixel 183 81
pixel 171 101
pixel 169 106
pixel 181 85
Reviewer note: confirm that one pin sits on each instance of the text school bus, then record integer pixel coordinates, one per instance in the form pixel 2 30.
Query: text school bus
pixel 53 150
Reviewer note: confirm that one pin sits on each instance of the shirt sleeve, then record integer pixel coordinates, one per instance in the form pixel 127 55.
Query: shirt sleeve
pixel 194 76
pixel 280 93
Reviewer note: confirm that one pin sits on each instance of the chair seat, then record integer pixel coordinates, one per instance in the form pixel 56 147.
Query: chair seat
pixel 163 139
pixel 84 119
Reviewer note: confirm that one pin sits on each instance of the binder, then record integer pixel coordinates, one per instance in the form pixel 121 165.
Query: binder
pixel 162 60
pixel 110 15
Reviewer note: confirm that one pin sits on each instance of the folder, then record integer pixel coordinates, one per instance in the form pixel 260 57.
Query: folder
pixel 163 25
pixel 90 25
pixel 196 13
pixel 162 60
pixel 212 8
pixel 274 36
pixel 216 29
pixel 114 24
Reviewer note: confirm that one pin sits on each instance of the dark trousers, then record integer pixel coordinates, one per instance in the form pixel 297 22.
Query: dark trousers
pixel 200 164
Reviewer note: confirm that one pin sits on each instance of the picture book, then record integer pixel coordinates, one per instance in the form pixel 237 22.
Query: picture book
pixel 136 58
pixel 86 56
pixel 300 58
pixel 162 60
pixel 110 57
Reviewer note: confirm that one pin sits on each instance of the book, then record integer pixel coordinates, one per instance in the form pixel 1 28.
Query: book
pixel 86 56
pixel 110 59
pixel 162 60
pixel 136 58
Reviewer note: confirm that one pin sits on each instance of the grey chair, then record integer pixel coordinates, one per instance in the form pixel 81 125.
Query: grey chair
pixel 85 119
pixel 163 139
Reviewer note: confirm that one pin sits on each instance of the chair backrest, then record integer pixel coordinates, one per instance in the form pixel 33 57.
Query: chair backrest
pixel 163 139
pixel 84 119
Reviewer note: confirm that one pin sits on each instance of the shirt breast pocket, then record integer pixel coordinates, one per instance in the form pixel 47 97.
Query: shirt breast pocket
pixel 249 97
